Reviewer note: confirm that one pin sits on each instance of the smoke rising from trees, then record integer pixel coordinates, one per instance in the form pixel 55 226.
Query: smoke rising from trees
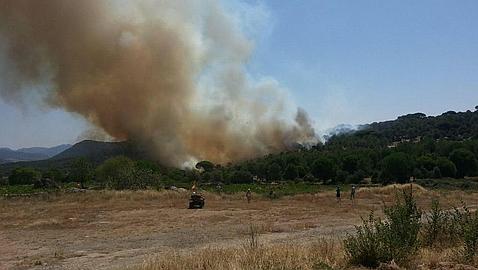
pixel 170 74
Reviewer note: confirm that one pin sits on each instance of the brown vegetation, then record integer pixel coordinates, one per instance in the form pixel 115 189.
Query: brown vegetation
pixel 154 230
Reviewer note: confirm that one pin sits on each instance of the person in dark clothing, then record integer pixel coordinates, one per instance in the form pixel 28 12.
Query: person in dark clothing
pixel 337 193
pixel 248 195
pixel 352 194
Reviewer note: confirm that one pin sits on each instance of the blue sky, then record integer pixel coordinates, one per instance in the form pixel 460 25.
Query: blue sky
pixel 362 61
pixel 343 61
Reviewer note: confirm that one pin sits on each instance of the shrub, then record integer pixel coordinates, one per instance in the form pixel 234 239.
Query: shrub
pixel 365 248
pixel 241 177
pixel 452 228
pixel 324 168
pixel 400 228
pixel 466 224
pixel 114 168
pixel 470 238
pixel 465 162
pixel 23 176
pixel 394 238
pixel 447 168
pixel 81 170
pixel 123 173
pixel 438 228
pixel 55 175
pixel 396 167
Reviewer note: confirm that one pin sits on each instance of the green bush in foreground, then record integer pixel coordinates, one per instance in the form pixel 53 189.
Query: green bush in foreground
pixel 397 236
pixel 457 228
pixel 394 238
pixel 366 248
pixel 438 228
pixel 466 224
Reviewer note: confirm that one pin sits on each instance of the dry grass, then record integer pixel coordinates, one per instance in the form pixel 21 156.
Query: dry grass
pixel 442 258
pixel 319 255
pixel 107 229
pixel 393 189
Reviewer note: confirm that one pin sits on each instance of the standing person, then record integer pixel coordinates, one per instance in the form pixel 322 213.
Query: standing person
pixel 337 193
pixel 352 194
pixel 249 195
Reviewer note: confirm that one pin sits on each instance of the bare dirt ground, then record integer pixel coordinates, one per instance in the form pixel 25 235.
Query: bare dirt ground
pixel 115 230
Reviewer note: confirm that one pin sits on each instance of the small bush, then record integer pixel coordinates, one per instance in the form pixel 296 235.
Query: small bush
pixel 438 228
pixel 466 224
pixel 366 248
pixel 252 242
pixel 457 228
pixel 394 238
pixel 470 237
pixel 400 228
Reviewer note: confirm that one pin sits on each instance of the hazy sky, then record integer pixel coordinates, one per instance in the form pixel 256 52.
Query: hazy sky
pixel 343 61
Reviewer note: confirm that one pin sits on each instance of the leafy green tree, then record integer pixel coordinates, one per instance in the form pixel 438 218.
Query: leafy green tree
pixel 148 165
pixel 139 178
pixel 55 175
pixel 274 172
pixel 291 172
pixel 217 177
pixel 356 177
pixel 465 162
pixel 341 176
pixel 302 171
pixel 81 170
pixel 426 162
pixel 396 167
pixel 207 166
pixel 350 163
pixel 115 168
pixel 23 176
pixel 324 168
pixel 429 145
pixel 447 168
pixel 241 177
pixel 123 173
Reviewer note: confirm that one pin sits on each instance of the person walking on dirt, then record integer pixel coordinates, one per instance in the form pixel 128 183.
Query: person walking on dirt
pixel 337 193
pixel 352 194
pixel 249 195
pixel 193 188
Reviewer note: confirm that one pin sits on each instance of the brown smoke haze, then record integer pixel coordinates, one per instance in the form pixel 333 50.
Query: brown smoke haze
pixel 170 74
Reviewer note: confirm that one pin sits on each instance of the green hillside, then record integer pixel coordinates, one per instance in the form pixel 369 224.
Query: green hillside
pixel 412 146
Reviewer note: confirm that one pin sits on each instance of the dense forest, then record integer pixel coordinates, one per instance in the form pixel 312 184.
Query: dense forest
pixel 412 146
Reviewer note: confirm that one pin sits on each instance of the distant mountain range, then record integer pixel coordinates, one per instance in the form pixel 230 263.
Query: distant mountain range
pixel 94 151
pixel 48 151
pixel 30 154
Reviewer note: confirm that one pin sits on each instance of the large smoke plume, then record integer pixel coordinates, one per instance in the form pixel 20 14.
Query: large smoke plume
pixel 170 74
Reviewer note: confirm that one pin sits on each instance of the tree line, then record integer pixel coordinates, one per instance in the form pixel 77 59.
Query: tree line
pixel 413 146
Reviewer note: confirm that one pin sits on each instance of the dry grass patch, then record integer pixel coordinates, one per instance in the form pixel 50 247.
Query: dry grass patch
pixel 393 189
pixel 325 254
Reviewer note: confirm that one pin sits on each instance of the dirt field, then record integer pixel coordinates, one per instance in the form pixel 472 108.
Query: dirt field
pixel 115 230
